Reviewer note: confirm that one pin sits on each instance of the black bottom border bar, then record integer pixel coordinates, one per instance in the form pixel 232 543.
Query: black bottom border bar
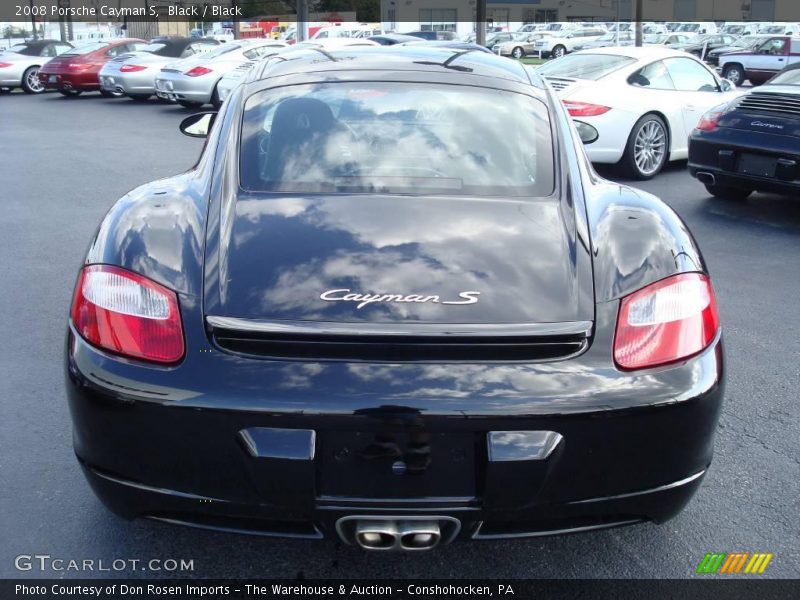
pixel 706 587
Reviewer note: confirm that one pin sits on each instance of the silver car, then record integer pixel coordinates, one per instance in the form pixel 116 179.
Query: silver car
pixel 235 76
pixel 523 44
pixel 19 65
pixel 192 82
pixel 134 74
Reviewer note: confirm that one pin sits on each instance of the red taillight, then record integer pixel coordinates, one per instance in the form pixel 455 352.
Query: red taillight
pixel 667 321
pixel 709 121
pixel 197 71
pixel 584 109
pixel 127 314
pixel 79 66
pixel 3 65
pixel 131 68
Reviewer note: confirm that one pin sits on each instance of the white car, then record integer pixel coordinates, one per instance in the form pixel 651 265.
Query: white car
pixel 19 64
pixel 642 103
pixel 792 29
pixel 234 77
pixel 697 27
pixel 560 44
pixel 192 82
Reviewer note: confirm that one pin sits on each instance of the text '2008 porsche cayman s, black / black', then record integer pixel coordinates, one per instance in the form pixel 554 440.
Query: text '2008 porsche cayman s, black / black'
pixel 393 303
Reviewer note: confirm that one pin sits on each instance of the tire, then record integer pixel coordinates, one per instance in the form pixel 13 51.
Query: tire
pixel 517 53
pixel 106 94
pixel 70 93
pixel 139 97
pixel 559 51
pixel 30 81
pixel 727 192
pixel 647 149
pixel 215 101
pixel 734 73
pixel 190 104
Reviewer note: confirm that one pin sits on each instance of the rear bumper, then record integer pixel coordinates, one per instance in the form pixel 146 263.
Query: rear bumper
pixel 12 76
pixel 181 87
pixel 718 153
pixel 130 499
pixel 127 84
pixel 178 444
pixel 70 81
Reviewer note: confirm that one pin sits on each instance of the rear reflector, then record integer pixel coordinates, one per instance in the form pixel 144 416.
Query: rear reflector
pixel 3 65
pixel 128 314
pixel 665 322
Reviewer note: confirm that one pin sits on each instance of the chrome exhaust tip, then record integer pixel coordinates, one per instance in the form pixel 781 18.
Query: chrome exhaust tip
pixel 706 177
pixel 419 535
pixel 399 533
pixel 377 535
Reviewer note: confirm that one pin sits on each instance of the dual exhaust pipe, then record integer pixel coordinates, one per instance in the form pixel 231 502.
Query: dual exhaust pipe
pixel 407 533
pixel 398 535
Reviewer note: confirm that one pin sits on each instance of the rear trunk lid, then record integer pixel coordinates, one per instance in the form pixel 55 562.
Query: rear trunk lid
pixel 773 109
pixel 388 260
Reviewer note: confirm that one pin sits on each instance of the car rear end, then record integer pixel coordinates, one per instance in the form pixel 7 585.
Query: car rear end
pixel 493 391
pixel 193 79
pixel 13 67
pixel 752 143
pixel 72 72
pixel 133 74
pixel 588 86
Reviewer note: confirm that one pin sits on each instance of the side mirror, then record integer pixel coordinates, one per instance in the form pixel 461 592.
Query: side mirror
pixel 198 125
pixel 586 132
pixel 726 85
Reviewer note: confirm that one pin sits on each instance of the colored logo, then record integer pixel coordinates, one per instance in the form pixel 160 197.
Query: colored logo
pixel 735 563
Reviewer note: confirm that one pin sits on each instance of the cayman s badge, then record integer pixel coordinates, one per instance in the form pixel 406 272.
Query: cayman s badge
pixel 345 295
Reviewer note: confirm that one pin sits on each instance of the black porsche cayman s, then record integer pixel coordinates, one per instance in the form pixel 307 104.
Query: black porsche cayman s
pixel 393 303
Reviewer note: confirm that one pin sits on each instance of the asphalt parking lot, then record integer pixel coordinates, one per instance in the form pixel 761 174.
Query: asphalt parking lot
pixel 63 162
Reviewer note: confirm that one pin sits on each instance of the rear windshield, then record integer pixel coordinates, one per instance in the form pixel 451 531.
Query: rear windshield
pixel 584 66
pixel 154 47
pixel 85 49
pixel 27 49
pixel 396 138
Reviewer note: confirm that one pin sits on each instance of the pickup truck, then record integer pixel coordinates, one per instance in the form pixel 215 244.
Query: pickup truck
pixel 760 63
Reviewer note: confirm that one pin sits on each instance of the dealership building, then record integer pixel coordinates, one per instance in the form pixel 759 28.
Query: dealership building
pixel 459 15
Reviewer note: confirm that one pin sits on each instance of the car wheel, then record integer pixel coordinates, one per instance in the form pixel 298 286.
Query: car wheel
pixel 70 93
pixel 647 149
pixel 734 73
pixel 215 101
pixel 727 192
pixel 559 51
pixel 107 94
pixel 517 53
pixel 189 104
pixel 139 97
pixel 30 81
